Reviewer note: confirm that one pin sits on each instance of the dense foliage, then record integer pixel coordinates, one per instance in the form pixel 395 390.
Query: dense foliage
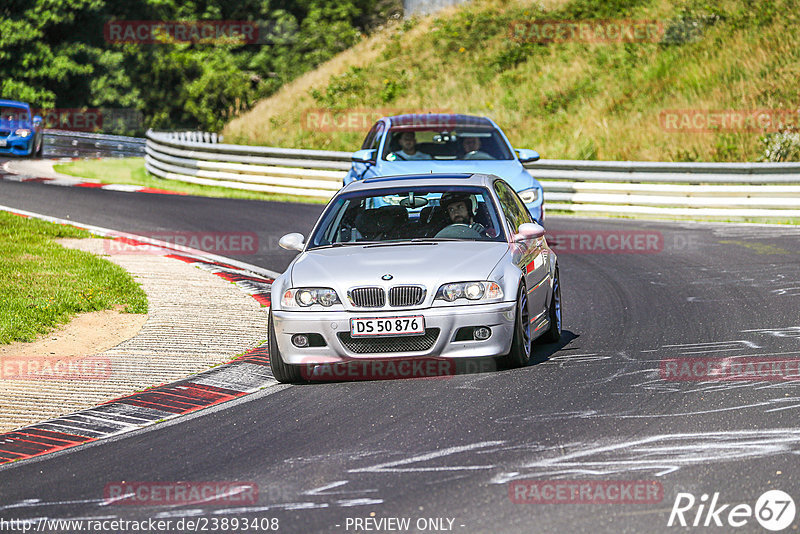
pixel 54 54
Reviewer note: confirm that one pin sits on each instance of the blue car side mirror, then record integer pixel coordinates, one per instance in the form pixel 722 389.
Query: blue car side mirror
pixel 364 156
pixel 526 155
pixel 37 120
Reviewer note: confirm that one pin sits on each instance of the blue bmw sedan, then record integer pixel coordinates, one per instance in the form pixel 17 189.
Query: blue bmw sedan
pixel 446 143
pixel 21 134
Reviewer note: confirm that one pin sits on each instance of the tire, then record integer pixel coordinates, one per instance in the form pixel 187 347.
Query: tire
pixel 553 333
pixel 283 372
pixel 520 353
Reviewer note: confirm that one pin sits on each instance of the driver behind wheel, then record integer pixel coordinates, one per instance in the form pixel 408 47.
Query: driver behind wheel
pixel 461 209
pixel 471 146
pixel 408 148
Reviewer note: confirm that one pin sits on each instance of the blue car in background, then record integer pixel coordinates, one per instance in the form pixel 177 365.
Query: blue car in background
pixel 21 134
pixel 446 143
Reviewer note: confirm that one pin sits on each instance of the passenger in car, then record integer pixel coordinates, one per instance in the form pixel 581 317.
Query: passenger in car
pixel 408 148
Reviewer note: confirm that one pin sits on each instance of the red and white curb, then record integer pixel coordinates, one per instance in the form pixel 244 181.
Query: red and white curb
pixel 10 176
pixel 244 375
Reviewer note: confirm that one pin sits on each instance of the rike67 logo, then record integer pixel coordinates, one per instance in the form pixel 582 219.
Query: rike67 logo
pixel 774 510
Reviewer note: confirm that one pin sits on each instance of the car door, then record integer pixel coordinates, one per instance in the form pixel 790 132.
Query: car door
pixel 529 255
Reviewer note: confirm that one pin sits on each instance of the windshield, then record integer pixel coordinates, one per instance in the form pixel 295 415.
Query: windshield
pixel 436 214
pixel 447 143
pixel 14 114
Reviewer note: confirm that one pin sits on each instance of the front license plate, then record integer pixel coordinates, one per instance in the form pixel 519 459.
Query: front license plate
pixel 387 326
pixel 3 142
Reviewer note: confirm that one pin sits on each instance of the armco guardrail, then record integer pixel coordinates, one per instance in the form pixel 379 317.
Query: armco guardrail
pixel 69 143
pixel 316 173
pixel 619 187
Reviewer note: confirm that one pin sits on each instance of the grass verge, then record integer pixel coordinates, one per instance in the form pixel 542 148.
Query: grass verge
pixel 131 171
pixel 43 284
pixel 578 99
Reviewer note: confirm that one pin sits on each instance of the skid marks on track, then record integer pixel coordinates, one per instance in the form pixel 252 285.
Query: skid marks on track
pixel 633 374
pixel 655 455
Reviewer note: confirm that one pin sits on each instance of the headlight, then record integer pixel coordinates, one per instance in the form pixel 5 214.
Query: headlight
pixel 529 195
pixel 22 132
pixel 470 290
pixel 308 296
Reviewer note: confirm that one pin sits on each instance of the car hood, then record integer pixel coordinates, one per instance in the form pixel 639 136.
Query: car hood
pixel 13 125
pixel 430 264
pixel 510 170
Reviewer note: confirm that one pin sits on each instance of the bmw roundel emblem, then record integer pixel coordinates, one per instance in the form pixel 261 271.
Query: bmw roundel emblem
pixel 387 277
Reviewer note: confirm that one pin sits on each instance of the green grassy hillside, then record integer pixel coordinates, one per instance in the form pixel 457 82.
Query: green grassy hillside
pixel 571 100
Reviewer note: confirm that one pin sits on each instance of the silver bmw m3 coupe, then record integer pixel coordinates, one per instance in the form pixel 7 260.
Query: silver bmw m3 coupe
pixel 422 266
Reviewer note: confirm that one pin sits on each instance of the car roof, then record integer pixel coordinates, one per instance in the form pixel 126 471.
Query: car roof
pixel 14 104
pixel 421 180
pixel 438 120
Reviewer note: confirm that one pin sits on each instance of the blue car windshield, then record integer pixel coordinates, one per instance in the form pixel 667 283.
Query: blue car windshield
pixel 419 213
pixel 14 114
pixel 452 143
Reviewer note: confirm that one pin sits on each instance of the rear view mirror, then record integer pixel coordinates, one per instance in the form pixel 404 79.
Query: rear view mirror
pixel 37 120
pixel 529 231
pixel 293 241
pixel 364 156
pixel 527 156
pixel 413 202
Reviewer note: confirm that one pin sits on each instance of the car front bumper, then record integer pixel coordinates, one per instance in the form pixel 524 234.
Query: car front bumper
pixel 448 320
pixel 17 146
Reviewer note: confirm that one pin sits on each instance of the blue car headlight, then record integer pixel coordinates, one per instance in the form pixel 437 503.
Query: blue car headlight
pixel 22 132
pixel 529 196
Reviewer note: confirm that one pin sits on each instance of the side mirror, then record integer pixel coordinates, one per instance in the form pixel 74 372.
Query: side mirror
pixel 527 156
pixel 37 120
pixel 293 241
pixel 364 156
pixel 529 231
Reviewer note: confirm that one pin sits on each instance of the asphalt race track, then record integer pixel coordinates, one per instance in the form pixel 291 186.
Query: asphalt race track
pixel 597 407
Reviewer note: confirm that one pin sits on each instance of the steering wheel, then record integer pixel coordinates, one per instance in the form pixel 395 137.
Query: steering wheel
pixel 459 231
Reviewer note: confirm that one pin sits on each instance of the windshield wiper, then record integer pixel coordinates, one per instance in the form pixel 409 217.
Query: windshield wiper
pixel 345 244
pixel 402 243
